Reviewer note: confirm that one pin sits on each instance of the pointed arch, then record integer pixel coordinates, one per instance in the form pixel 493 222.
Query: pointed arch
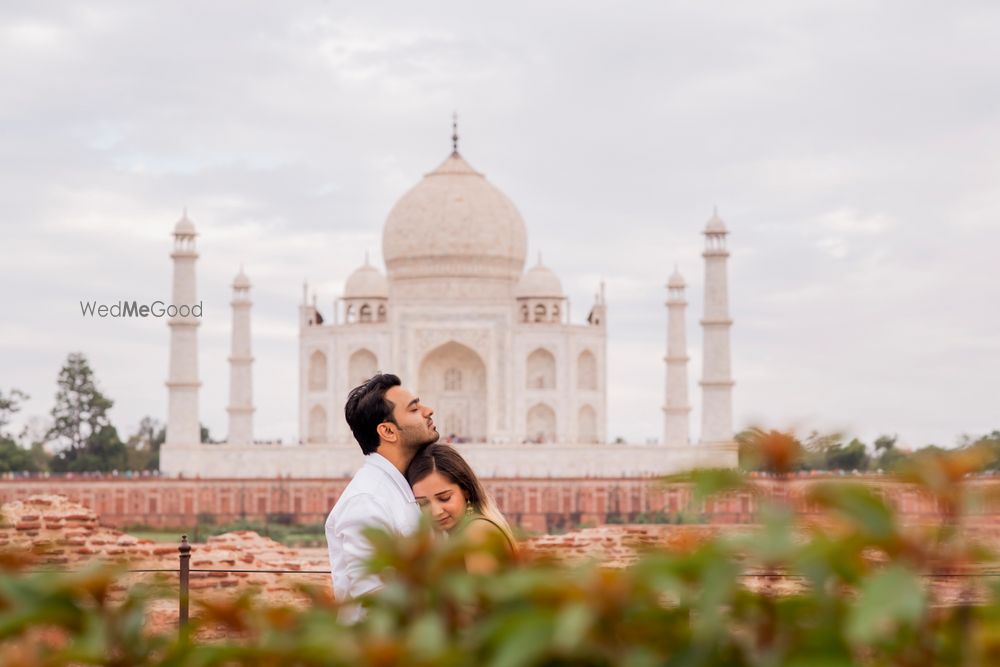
pixel 586 371
pixel 540 370
pixel 541 312
pixel 317 424
pixel 361 365
pixel 452 380
pixel 317 371
pixel 541 423
pixel 365 314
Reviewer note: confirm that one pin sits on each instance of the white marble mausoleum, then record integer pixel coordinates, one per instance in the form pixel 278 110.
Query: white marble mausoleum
pixel 483 337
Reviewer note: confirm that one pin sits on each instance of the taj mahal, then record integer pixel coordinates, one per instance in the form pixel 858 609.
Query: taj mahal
pixel 483 338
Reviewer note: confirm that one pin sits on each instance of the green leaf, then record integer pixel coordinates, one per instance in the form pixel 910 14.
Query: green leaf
pixel 888 600
pixel 571 626
pixel 859 504
pixel 774 542
pixel 710 481
pixel 427 637
pixel 523 639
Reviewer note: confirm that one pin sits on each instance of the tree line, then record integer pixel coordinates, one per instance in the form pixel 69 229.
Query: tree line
pixel 79 436
pixel 834 452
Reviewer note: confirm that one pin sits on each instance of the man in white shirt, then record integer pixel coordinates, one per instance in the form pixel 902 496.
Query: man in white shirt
pixel 391 425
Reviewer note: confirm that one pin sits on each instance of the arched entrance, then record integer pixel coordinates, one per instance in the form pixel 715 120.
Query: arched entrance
pixel 361 366
pixel 541 424
pixel 317 371
pixel 317 424
pixel 452 380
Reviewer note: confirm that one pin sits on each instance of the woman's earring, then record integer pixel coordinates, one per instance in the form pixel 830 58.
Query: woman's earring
pixel 469 511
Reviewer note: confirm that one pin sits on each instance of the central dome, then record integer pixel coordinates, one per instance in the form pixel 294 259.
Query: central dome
pixel 455 225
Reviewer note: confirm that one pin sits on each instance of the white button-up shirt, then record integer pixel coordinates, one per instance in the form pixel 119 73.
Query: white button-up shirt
pixel 377 497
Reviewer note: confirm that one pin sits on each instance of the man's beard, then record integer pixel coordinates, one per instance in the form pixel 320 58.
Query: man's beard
pixel 417 442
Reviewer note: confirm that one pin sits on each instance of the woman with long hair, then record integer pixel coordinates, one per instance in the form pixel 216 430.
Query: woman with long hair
pixel 449 491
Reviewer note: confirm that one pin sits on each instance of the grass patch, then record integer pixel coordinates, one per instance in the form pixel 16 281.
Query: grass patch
pixel 304 535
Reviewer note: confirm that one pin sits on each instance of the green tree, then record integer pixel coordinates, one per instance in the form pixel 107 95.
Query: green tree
pixel 143 446
pixel 81 409
pixel 80 422
pixel 13 457
pixel 852 456
pixel 885 443
pixel 990 441
pixel 103 452
pixel 40 458
pixel 10 404
pixel 887 456
pixel 816 446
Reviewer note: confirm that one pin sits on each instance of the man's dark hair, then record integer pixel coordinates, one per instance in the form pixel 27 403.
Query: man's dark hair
pixel 367 407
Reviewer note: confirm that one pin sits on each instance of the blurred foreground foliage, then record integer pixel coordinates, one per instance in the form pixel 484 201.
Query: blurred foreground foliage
pixel 846 586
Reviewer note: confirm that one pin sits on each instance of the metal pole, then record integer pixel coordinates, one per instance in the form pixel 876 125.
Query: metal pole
pixel 185 573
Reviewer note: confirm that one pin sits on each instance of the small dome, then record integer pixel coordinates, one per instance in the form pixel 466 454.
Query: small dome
pixel 539 282
pixel 184 226
pixel 241 280
pixel 715 225
pixel 367 282
pixel 676 279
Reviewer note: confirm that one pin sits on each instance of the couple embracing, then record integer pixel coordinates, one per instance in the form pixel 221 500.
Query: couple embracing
pixel 404 471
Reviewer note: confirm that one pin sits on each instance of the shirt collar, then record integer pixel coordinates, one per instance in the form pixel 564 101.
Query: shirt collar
pixel 386 466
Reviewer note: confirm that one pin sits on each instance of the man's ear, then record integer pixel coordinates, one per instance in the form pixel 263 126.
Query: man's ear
pixel 387 432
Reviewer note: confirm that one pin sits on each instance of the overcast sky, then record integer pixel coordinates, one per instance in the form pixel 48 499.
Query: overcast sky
pixel 853 149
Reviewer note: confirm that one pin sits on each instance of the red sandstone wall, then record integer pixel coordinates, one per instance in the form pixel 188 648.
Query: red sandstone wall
pixel 544 505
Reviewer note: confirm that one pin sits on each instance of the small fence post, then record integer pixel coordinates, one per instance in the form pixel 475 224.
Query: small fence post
pixel 185 573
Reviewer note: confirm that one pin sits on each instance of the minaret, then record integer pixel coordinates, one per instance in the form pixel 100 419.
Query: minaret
pixel 241 366
pixel 183 427
pixel 676 427
pixel 717 382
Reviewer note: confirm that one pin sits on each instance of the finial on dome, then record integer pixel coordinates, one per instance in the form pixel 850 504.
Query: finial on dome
pixel 676 279
pixel 367 263
pixel 715 225
pixel 184 226
pixel 241 280
pixel 454 133
pixel 539 258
